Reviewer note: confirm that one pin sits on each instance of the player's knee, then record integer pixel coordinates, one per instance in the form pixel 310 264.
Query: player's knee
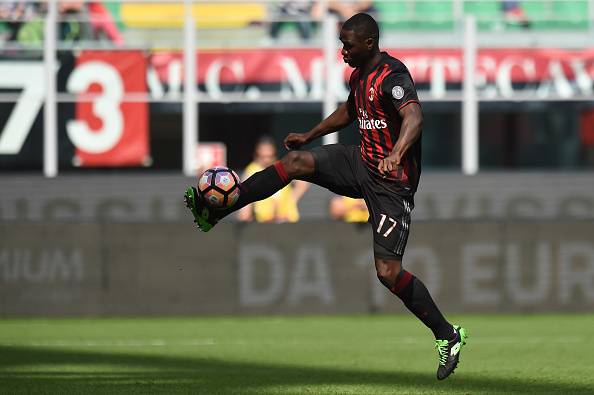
pixel 387 271
pixel 298 163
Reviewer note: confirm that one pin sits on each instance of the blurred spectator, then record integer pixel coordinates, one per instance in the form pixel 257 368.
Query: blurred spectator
pixel 343 8
pixel 72 17
pixel 347 209
pixel 103 24
pixel 303 13
pixel 15 14
pixel 293 12
pixel 282 206
pixel 514 14
pixel 25 24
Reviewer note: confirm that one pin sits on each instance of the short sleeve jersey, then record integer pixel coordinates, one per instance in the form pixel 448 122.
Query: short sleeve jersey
pixel 375 100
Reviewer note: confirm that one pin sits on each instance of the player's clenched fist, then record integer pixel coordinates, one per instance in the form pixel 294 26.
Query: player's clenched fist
pixel 388 164
pixel 295 140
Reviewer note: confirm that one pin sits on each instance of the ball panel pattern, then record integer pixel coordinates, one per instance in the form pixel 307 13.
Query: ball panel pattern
pixel 219 187
pixel 205 180
pixel 232 197
pixel 224 181
pixel 215 198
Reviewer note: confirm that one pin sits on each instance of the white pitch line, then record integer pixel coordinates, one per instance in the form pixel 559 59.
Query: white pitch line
pixel 286 342
pixel 115 343
pixel 506 340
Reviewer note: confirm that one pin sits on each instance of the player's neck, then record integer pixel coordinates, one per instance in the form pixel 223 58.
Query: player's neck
pixel 372 62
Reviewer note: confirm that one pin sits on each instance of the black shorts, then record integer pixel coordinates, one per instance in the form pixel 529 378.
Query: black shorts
pixel 341 169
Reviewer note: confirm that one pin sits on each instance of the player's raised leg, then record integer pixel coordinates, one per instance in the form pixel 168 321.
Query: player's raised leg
pixel 263 184
pixel 449 338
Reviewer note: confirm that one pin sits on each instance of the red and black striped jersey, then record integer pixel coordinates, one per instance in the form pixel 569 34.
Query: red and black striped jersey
pixel 375 100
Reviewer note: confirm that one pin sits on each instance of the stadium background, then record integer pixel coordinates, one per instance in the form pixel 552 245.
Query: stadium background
pixel 92 222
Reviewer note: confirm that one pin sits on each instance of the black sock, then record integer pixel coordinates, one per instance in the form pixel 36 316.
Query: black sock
pixel 417 299
pixel 259 186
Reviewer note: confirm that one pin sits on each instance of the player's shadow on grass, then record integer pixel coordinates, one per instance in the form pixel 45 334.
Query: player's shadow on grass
pixel 83 372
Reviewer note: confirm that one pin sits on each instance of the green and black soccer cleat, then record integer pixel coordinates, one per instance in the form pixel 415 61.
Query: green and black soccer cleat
pixel 449 352
pixel 203 216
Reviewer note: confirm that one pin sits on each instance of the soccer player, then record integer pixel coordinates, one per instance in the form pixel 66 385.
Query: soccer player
pixel 384 170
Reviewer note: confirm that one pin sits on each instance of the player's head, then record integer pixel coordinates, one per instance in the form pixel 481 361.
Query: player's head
pixel 265 151
pixel 360 37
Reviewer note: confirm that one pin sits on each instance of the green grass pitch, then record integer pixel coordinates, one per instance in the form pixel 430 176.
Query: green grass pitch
pixel 552 354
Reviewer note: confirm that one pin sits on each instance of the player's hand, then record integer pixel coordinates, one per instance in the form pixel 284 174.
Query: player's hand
pixel 295 140
pixel 388 164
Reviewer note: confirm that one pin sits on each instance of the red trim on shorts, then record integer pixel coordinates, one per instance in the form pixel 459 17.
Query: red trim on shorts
pixel 403 282
pixel 280 169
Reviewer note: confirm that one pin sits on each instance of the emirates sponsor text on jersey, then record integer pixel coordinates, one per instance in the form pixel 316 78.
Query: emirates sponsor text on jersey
pixel 368 124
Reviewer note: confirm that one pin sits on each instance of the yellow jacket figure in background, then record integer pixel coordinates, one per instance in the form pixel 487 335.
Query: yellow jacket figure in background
pixel 347 209
pixel 280 207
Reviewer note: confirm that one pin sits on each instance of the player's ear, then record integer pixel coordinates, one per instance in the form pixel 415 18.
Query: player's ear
pixel 369 42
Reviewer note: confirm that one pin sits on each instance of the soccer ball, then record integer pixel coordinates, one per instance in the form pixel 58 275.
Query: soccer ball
pixel 219 187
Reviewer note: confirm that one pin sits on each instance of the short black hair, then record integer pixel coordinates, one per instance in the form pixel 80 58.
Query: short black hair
pixel 265 139
pixel 362 24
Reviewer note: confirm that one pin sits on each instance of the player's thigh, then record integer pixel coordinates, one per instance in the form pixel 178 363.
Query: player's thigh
pixel 389 215
pixel 336 169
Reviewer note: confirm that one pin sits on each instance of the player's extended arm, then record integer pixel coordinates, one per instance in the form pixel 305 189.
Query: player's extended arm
pixel 410 131
pixel 299 189
pixel 335 121
pixel 246 214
